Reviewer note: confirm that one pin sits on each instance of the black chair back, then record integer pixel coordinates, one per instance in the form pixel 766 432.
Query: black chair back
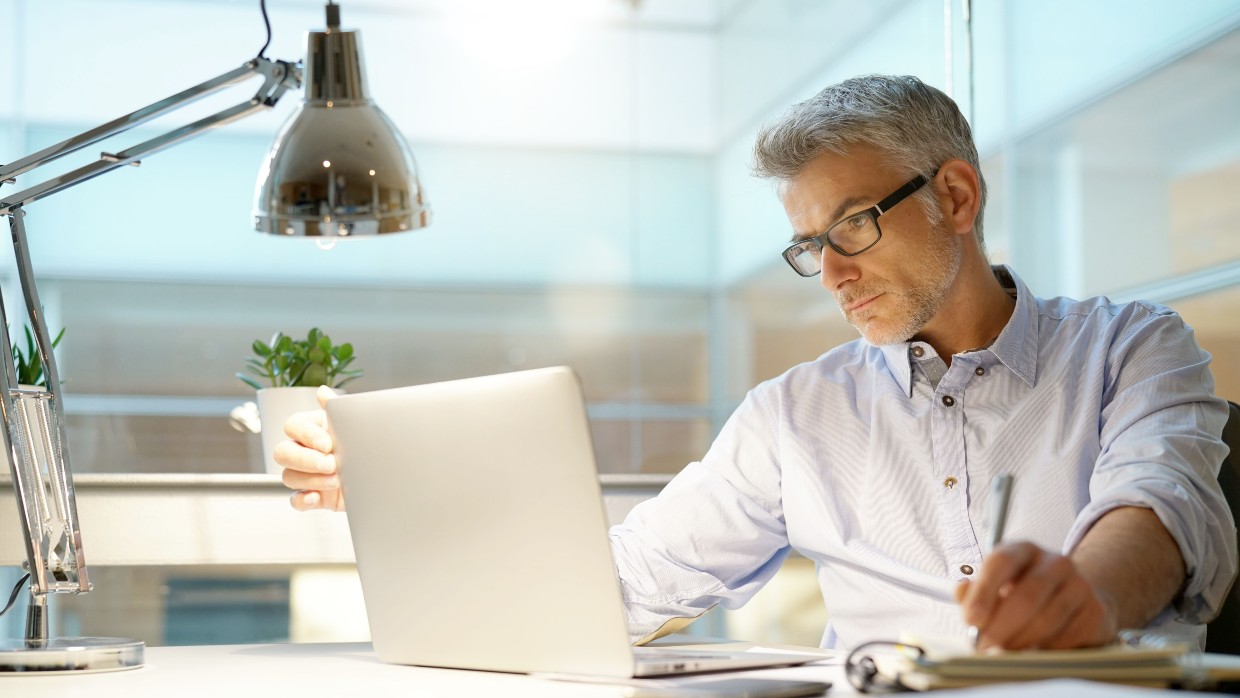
pixel 1223 634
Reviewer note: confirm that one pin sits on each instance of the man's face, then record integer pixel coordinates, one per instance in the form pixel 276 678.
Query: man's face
pixel 893 290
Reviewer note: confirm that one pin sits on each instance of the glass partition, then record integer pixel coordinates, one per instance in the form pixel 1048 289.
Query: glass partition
pixel 587 163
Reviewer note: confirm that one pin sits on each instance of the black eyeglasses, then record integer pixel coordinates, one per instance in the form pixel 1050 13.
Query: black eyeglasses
pixel 851 236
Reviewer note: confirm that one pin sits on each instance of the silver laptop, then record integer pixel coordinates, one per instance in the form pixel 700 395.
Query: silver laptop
pixel 480 534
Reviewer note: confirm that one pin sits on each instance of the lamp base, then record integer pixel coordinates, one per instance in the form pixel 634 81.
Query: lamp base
pixel 69 655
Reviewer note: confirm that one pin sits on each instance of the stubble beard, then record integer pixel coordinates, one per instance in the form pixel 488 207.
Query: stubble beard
pixel 912 307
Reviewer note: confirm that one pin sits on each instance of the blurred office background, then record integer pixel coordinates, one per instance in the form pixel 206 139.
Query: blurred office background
pixel 587 165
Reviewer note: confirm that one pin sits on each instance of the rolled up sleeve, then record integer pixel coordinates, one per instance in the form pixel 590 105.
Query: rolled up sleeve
pixel 715 535
pixel 1160 435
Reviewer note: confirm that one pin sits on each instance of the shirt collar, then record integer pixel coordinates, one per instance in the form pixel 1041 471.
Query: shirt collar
pixel 1016 347
pixel 900 364
pixel 1017 344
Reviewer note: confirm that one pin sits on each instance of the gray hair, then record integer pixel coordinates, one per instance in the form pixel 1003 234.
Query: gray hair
pixel 914 126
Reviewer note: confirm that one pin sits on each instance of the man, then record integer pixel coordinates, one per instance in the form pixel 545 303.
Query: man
pixel 874 460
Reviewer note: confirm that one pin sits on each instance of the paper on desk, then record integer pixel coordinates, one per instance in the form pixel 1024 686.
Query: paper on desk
pixel 949 663
pixel 1064 687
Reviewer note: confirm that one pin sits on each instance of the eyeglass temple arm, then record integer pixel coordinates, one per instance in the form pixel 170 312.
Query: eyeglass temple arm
pixel 903 193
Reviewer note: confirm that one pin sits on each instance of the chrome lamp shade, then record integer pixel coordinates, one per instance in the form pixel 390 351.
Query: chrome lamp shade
pixel 339 167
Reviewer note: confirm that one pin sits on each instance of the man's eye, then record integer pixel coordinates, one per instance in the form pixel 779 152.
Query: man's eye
pixel 856 222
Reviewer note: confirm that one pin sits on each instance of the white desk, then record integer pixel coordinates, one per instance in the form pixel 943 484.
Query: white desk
pixel 304 670
pixel 308 670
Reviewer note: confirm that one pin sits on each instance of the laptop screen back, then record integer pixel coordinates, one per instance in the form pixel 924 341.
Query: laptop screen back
pixel 478 525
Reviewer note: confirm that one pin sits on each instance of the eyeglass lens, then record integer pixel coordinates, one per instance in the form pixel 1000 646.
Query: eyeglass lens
pixel 849 236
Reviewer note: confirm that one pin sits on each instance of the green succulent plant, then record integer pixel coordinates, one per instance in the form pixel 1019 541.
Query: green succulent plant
pixel 310 362
pixel 28 363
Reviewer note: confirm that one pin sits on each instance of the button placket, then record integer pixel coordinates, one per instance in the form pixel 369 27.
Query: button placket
pixel 974 365
pixel 947 427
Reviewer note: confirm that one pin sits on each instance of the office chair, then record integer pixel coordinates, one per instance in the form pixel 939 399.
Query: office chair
pixel 1223 633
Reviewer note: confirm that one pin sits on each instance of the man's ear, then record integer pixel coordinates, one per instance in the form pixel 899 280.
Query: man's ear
pixel 960 193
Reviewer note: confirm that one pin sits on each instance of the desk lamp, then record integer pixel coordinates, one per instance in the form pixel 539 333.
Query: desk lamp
pixel 338 168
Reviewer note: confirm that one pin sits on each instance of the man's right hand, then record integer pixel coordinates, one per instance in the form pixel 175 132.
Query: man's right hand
pixel 309 466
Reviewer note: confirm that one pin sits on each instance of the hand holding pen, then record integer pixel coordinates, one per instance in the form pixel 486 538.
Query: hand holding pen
pixel 1025 596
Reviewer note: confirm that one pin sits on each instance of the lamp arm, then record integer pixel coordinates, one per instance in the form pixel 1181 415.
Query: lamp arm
pixel 32 423
pixel 279 77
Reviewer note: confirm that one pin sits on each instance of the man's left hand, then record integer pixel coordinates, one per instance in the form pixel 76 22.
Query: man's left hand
pixel 1025 597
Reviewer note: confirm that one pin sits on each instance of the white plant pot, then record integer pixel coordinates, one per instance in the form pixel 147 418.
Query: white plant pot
pixel 275 406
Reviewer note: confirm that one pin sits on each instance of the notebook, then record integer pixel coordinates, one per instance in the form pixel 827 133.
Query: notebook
pixel 930 663
pixel 480 534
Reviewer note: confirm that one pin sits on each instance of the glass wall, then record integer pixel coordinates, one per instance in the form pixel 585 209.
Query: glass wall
pixel 573 214
pixel 587 163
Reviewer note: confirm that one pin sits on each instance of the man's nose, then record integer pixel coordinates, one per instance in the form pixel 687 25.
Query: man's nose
pixel 837 270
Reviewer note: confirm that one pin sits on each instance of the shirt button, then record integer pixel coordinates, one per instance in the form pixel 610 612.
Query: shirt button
pixel 980 371
pixel 919 352
pixel 966 569
pixel 950 482
pixel 949 400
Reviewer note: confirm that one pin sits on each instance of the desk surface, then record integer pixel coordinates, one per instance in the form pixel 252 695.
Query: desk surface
pixel 232 671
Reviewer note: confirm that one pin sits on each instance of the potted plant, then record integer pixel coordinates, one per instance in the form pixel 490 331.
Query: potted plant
pixel 287 373
pixel 28 363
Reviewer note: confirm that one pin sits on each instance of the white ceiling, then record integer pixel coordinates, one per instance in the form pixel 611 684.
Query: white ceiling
pixel 703 15
pixel 594 74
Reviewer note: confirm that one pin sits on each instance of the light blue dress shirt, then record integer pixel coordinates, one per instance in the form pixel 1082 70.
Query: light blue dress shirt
pixel 874 462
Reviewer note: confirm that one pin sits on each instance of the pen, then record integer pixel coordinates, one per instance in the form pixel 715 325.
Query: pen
pixel 1000 496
